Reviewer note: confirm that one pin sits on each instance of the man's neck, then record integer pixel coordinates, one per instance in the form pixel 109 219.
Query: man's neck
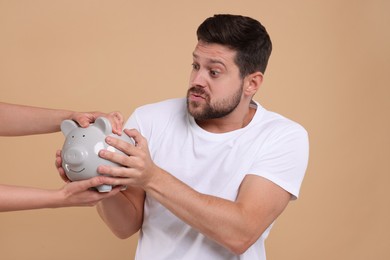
pixel 231 122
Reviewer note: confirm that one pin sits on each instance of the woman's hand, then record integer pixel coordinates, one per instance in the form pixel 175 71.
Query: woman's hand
pixel 84 119
pixel 82 193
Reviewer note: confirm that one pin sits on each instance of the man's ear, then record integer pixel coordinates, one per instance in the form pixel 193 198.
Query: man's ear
pixel 253 82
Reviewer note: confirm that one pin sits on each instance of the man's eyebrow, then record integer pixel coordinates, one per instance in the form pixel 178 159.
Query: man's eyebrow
pixel 210 60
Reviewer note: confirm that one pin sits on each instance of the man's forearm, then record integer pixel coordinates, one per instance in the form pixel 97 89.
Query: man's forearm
pixel 236 225
pixel 217 218
pixel 123 215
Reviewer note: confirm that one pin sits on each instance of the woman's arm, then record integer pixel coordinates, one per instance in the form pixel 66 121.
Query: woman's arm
pixel 72 194
pixel 17 120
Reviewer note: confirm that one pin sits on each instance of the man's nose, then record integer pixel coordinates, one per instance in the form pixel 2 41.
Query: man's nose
pixel 198 79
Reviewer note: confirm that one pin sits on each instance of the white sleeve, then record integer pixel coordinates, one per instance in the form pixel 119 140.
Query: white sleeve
pixel 284 159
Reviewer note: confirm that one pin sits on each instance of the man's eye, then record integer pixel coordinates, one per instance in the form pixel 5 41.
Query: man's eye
pixel 195 66
pixel 214 73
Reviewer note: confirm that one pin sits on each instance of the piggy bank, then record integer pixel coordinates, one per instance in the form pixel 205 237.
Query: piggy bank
pixel 80 152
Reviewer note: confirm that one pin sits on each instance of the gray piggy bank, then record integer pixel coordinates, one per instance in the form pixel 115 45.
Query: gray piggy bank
pixel 80 152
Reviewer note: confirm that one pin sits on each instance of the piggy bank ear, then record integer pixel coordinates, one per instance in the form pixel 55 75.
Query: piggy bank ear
pixel 67 126
pixel 103 124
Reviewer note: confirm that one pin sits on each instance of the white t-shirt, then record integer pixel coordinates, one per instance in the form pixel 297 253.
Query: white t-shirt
pixel 270 146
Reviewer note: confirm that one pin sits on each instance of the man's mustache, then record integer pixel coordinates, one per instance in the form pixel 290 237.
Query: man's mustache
pixel 197 90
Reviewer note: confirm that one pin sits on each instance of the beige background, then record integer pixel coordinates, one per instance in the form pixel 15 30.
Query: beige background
pixel 329 72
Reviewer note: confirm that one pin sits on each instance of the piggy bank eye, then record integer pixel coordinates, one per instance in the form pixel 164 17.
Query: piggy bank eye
pixel 83 135
pixel 72 136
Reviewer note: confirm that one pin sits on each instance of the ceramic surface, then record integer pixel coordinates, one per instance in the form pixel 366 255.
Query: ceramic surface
pixel 80 152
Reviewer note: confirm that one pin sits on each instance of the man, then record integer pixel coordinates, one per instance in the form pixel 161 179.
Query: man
pixel 18 120
pixel 209 174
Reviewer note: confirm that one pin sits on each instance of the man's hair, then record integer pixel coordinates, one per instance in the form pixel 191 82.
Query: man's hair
pixel 243 34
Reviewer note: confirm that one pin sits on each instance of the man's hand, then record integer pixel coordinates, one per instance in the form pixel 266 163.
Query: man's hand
pixel 138 165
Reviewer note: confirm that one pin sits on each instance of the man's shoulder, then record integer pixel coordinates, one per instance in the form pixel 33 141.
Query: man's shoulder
pixel 155 119
pixel 174 104
pixel 160 113
pixel 276 122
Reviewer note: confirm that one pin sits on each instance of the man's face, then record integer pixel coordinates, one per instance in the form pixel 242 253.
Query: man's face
pixel 215 84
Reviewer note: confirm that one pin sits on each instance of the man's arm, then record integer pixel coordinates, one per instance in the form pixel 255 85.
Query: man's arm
pixel 17 120
pixel 235 225
pixel 123 213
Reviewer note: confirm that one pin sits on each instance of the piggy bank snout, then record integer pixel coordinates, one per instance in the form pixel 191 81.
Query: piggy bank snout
pixel 75 155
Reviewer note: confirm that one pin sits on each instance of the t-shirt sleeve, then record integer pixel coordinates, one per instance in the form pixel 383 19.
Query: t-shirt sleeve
pixel 284 159
pixel 141 119
pixel 132 122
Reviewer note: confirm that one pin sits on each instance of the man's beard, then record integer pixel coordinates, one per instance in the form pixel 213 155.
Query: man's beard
pixel 208 110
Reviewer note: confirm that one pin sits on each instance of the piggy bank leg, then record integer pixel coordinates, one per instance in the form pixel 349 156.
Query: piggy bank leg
pixel 104 188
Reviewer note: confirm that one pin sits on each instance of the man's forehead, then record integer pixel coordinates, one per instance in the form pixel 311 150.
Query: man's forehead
pixel 214 53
